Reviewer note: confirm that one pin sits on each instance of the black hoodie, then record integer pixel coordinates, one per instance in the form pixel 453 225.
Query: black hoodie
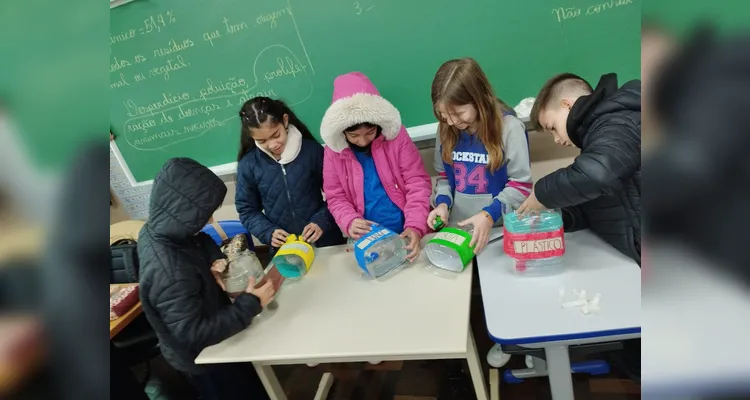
pixel 180 297
pixel 601 190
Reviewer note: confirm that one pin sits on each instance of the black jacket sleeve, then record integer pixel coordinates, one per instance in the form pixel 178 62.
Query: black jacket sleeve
pixel 180 303
pixel 211 247
pixel 574 219
pixel 611 155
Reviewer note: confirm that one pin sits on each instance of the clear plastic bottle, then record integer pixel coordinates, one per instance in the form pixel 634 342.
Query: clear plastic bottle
pixel 449 249
pixel 290 266
pixel 528 238
pixel 380 253
pixel 240 268
pixel 386 256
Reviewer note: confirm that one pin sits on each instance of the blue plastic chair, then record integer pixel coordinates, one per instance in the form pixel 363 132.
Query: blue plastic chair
pixel 232 228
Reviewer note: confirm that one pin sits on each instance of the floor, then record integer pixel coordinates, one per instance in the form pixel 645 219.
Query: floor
pixel 411 380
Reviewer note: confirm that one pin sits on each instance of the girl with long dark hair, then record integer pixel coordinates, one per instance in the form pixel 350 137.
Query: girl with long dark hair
pixel 280 177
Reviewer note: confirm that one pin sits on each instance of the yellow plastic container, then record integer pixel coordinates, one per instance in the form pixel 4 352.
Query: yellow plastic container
pixel 294 258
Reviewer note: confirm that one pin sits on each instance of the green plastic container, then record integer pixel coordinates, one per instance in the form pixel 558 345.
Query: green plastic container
pixel 449 249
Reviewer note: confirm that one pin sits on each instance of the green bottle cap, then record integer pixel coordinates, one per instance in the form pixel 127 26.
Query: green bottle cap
pixel 439 224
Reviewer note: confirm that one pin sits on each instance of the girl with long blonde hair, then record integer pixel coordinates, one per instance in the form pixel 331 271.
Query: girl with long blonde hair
pixel 481 156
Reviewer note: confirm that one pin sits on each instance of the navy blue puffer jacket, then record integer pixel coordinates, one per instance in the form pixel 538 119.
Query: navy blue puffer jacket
pixel 271 196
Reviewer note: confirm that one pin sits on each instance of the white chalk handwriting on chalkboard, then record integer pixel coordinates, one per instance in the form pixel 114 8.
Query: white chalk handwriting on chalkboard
pixel 569 13
pixel 177 117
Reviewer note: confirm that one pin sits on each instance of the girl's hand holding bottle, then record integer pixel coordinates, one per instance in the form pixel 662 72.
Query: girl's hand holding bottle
pixel 441 211
pixel 482 223
pixel 312 233
pixel 359 227
pixel 412 245
pixel 278 238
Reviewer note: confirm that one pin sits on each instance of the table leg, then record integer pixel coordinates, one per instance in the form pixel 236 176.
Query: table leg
pixel 475 368
pixel 558 369
pixel 270 382
pixel 324 386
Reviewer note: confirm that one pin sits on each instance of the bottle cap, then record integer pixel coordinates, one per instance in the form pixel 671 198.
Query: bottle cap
pixel 439 224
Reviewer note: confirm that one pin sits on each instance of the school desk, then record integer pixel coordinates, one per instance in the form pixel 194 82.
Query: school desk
pixel 334 315
pixel 526 311
pixel 116 325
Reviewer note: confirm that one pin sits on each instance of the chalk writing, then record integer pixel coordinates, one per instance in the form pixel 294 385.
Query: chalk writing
pixel 157 22
pixel 233 85
pixel 173 47
pixel 286 67
pixel 234 28
pixel 359 10
pixel 139 77
pixel 141 125
pixel 135 110
pixel 272 17
pixel 202 126
pixel 118 64
pixel 119 83
pixel 139 59
pixel 165 119
pixel 568 13
pixel 596 9
pixel 159 135
pixel 172 65
pixel 122 36
pixel 205 109
pixel 264 93
pixel 211 36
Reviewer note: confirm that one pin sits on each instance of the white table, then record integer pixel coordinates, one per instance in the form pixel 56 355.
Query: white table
pixel 334 315
pixel 526 310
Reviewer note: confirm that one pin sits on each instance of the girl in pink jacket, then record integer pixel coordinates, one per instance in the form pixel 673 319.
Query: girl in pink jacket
pixel 372 171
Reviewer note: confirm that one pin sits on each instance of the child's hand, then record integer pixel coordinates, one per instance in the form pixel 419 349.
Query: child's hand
pixel 264 293
pixel 413 243
pixel 482 222
pixel 529 205
pixel 312 233
pixel 217 269
pixel 278 238
pixel 359 227
pixel 442 211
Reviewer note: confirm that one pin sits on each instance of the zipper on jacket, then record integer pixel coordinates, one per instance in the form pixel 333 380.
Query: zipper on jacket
pixel 288 195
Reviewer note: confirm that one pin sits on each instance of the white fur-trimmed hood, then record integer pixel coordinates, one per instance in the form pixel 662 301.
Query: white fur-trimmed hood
pixel 356 101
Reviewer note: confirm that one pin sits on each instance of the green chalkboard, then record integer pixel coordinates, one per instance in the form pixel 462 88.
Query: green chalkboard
pixel 180 69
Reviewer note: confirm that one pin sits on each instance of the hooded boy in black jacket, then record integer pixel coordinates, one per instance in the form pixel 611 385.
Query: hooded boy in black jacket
pixel 601 190
pixel 180 295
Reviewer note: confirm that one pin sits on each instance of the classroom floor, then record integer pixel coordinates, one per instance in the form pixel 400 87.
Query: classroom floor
pixel 410 380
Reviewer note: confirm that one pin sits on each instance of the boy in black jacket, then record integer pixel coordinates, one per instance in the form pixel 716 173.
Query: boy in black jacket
pixel 180 295
pixel 601 190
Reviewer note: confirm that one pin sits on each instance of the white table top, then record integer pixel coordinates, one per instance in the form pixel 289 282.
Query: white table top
pixel 526 310
pixel 334 315
pixel 697 320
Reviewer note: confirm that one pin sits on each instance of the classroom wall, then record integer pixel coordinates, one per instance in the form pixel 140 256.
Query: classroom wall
pixel 546 157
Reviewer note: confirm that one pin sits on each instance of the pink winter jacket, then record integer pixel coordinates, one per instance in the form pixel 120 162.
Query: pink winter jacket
pixel 397 159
